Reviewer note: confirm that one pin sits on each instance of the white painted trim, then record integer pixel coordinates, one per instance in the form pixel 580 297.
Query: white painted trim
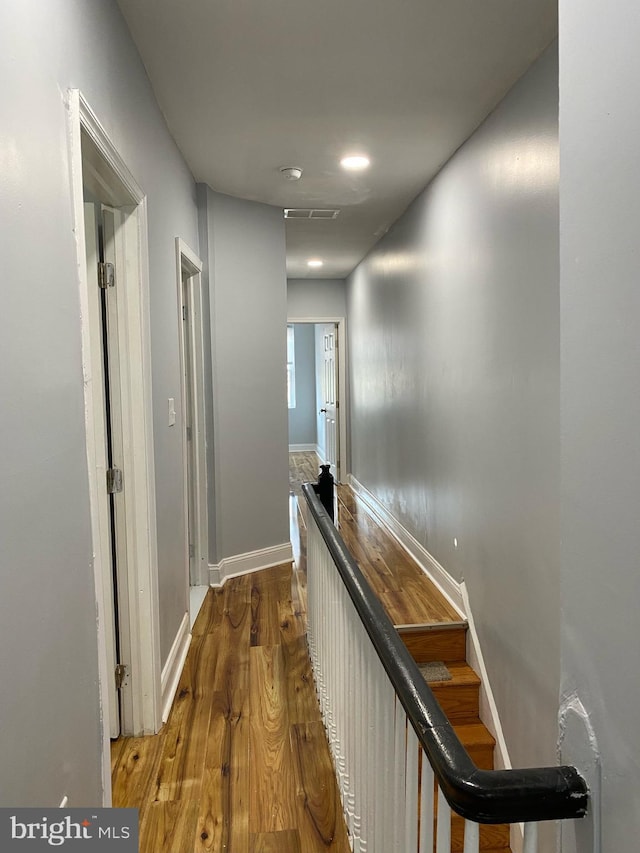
pixel 301 448
pixel 197 596
pixel 172 670
pixel 447 585
pixel 99 531
pixel 108 171
pixel 189 263
pixel 488 708
pixel 254 561
pixel 343 390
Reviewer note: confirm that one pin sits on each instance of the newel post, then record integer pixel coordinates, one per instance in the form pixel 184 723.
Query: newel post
pixel 324 489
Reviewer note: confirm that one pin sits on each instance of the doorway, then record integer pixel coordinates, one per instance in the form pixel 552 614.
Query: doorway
pixel 316 382
pixel 192 372
pixel 118 415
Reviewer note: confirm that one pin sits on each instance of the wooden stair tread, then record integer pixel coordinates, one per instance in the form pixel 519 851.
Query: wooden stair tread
pixel 445 642
pixel 461 673
pixel 474 734
pixel 459 698
pixel 479 743
pixel 492 836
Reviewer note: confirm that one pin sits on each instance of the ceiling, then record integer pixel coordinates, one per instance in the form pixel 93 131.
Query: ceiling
pixel 250 86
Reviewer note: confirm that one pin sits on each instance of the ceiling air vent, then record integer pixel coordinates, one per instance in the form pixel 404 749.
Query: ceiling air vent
pixel 310 213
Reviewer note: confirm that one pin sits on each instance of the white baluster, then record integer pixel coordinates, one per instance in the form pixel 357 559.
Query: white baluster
pixel 530 838
pixel 426 807
pixel 443 834
pixel 359 743
pixel 471 837
pixel 400 770
pixel 411 799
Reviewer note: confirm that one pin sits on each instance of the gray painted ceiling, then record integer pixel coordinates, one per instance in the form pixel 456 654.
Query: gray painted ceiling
pixel 249 86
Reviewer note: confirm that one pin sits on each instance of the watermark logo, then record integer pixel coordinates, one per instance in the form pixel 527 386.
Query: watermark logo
pixel 89 830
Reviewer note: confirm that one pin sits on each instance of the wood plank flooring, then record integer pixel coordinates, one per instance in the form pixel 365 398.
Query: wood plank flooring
pixel 242 764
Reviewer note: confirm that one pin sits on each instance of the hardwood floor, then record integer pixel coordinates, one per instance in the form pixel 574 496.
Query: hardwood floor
pixel 242 764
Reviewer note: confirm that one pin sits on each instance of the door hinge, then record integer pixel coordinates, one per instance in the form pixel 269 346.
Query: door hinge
pixel 192 551
pixel 114 481
pixel 189 434
pixel 106 275
pixel 121 674
pixel 184 312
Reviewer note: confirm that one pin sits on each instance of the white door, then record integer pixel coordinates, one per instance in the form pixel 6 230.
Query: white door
pixel 101 462
pixel 116 486
pixel 192 337
pixel 101 224
pixel 330 404
pixel 190 421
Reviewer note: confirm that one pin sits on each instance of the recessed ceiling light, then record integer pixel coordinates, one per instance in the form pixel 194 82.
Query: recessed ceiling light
pixel 314 262
pixel 355 163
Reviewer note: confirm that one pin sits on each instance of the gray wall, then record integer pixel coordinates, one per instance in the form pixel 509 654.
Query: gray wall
pixel 245 252
pixel 302 419
pixel 49 708
pixel 316 297
pixel 454 355
pixel 600 321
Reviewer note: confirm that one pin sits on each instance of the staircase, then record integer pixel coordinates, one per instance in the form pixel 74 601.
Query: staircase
pixel 459 699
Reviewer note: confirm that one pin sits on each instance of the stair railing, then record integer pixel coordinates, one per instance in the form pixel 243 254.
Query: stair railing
pixel 391 743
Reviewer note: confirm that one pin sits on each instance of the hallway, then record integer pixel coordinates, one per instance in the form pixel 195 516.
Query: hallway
pixel 242 763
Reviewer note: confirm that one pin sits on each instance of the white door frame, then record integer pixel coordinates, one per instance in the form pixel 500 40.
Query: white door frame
pixel 107 173
pixel 343 408
pixel 189 268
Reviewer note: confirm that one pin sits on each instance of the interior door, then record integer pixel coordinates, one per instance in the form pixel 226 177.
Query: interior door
pixel 101 428
pixel 112 346
pixel 330 404
pixel 189 423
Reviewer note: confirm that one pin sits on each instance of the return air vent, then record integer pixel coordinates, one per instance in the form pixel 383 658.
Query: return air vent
pixel 310 213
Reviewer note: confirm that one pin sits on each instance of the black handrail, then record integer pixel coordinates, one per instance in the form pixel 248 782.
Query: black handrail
pixel 483 796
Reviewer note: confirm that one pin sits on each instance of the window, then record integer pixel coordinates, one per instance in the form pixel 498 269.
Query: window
pixel 291 368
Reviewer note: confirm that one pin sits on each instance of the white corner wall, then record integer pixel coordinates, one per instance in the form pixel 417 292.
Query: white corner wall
pixel 600 404
pixel 454 377
pixel 245 254
pixel 52 740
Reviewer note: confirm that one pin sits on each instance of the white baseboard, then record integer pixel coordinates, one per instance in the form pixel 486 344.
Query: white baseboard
pixel 447 585
pixel 300 448
pixel 172 670
pixel 488 707
pixel 254 561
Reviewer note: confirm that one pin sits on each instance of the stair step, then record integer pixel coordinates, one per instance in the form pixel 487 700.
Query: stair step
pixel 495 849
pixel 492 836
pixel 460 697
pixel 435 642
pixel 479 743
